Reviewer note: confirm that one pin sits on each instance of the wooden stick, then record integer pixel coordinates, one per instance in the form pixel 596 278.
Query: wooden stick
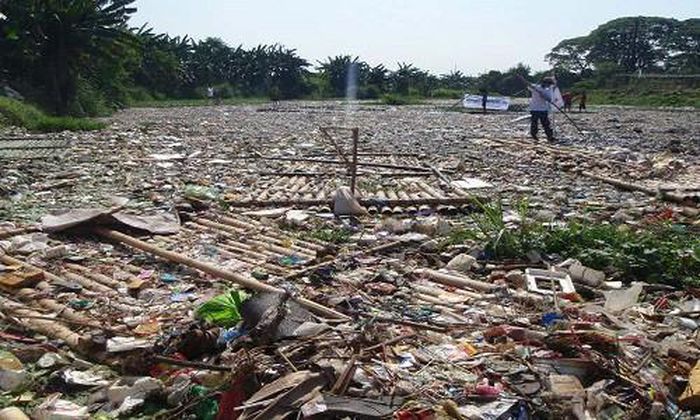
pixel 335 175
pixel 457 281
pixel 341 385
pixel 353 166
pixel 246 282
pixel 19 231
pixel 338 150
pixel 409 323
pixel 433 201
pixel 73 322
pixel 387 154
pixel 45 327
pixel 368 251
pixel 337 162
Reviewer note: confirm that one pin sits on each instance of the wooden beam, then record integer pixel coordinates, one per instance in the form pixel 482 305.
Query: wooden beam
pixel 247 282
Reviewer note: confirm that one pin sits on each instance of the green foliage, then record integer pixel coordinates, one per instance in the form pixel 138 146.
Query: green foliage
pixel 652 98
pixel 49 44
pixel 632 44
pixel 455 81
pixel 504 240
pixel 655 253
pixel 336 71
pixel 443 93
pixel 334 236
pixel 163 64
pixel 81 58
pixel 14 112
pixel 658 253
pixel 394 99
pixel 506 83
pixel 223 310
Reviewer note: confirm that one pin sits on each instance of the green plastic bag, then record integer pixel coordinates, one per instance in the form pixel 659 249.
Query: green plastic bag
pixel 207 409
pixel 223 310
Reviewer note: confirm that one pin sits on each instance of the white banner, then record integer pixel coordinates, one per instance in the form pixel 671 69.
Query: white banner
pixel 495 103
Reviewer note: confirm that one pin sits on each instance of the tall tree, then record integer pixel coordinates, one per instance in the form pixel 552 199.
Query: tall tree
pixel 571 54
pixel 404 78
pixel 454 80
pixel 632 44
pixel 57 40
pixel 335 71
pixel 163 68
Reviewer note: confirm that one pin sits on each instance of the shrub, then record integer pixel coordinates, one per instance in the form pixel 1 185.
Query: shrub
pixel 656 252
pixel 447 93
pixel 20 114
pixel 393 99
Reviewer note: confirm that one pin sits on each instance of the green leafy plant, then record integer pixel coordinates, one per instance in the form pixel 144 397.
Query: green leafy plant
pixel 504 240
pixel 658 252
pixel 223 310
pixel 334 236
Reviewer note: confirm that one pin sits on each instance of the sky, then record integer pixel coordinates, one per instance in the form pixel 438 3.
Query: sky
pixel 473 36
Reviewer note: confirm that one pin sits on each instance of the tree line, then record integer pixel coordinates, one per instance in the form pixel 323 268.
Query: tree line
pixel 82 56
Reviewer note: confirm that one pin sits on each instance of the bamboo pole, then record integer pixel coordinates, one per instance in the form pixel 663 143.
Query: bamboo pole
pixel 246 282
pixel 89 284
pixel 338 162
pixel 457 281
pixel 32 320
pixel 353 166
pixel 432 201
pixel 338 150
pixel 268 244
pixel 368 251
pixel 19 231
pixel 98 277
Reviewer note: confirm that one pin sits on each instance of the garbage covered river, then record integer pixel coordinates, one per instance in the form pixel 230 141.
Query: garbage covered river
pixel 297 260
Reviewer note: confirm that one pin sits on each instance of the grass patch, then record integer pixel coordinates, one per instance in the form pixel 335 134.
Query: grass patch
pixel 173 103
pixel 648 98
pixel 17 113
pixel 656 252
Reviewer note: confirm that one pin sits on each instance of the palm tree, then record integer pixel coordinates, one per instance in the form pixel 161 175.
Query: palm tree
pixel 163 68
pixel 59 40
pixel 335 72
pixel 404 78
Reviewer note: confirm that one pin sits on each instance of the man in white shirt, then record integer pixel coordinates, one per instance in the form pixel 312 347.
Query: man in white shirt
pixel 540 101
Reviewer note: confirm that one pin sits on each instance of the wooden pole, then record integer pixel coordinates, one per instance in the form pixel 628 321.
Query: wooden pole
pixel 433 201
pixel 340 162
pixel 246 282
pixel 19 231
pixel 353 166
pixel 32 320
pixel 378 248
pixel 457 281
pixel 335 175
pixel 338 150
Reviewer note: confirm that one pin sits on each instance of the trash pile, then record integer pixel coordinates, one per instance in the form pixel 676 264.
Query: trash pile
pixel 393 324
pixel 263 289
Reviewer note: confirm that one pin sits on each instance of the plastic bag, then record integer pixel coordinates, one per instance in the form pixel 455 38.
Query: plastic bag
pixel 223 310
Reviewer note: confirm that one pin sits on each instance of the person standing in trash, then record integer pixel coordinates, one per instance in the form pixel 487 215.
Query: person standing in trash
pixel 568 98
pixel 582 101
pixel 540 99
pixel 484 99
